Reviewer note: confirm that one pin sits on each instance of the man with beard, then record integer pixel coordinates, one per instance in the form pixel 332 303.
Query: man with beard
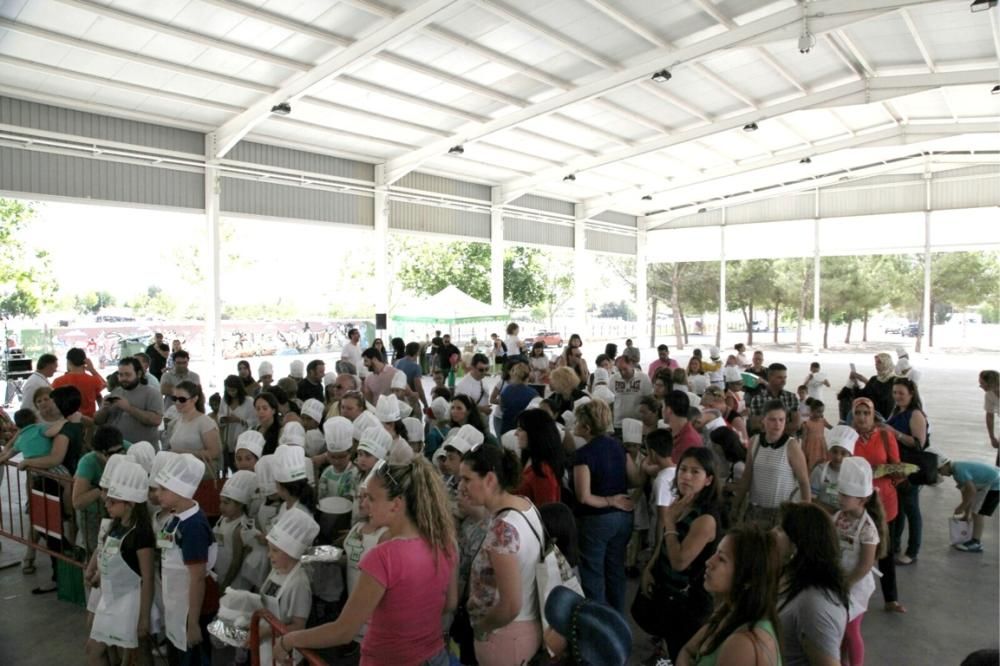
pixel 134 407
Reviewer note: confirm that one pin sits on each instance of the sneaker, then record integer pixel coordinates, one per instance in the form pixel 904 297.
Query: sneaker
pixel 903 560
pixel 970 546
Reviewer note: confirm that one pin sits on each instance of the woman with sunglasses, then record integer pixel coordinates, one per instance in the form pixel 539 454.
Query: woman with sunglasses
pixel 407 582
pixel 193 432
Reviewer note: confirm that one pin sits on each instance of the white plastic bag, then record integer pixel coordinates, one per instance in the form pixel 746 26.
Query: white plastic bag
pixel 959 530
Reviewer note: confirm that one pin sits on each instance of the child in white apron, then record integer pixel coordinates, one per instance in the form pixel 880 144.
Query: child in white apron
pixel 362 538
pixel 249 448
pixel 823 480
pixel 286 593
pixel 860 526
pixel 228 531
pixel 188 555
pixel 340 478
pixel 125 563
pixel 373 446
pixel 159 517
pixel 263 511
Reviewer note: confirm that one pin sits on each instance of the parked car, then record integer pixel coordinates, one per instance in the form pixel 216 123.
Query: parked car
pixel 894 328
pixel 912 331
pixel 550 338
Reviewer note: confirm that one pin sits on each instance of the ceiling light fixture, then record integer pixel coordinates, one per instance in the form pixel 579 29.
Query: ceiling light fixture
pixel 982 5
pixel 647 197
pixel 570 177
pixel 750 127
pixel 662 76
pixel 807 40
pixel 702 210
pixel 995 90
pixel 806 160
pixel 282 109
pixel 456 150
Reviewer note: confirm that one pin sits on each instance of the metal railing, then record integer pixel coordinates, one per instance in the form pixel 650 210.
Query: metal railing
pixel 277 629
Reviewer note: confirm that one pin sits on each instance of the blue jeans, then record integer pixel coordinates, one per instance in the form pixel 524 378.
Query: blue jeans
pixel 603 541
pixel 909 514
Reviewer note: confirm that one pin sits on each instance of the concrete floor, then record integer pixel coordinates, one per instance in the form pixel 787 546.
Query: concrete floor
pixel 953 598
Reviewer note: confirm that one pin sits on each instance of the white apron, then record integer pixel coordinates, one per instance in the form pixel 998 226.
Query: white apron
pixel 225 532
pixel 272 602
pixel 256 564
pixel 94 597
pixel 117 615
pixel 861 591
pixel 160 520
pixel 175 586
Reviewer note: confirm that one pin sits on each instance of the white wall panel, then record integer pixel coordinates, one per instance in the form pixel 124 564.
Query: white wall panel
pixel 770 239
pixel 430 183
pixel 408 216
pixel 872 234
pixel 620 219
pixel 794 206
pixel 898 198
pixel 605 241
pixel 254 197
pixel 519 230
pixel 299 160
pixel 958 189
pixel 966 229
pixel 546 204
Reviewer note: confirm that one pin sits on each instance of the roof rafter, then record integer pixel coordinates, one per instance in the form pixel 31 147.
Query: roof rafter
pixel 917 39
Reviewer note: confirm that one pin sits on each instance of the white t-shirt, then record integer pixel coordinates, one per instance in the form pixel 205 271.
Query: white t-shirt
pixel 513 345
pixel 628 393
pixel 36 381
pixel 352 354
pixel 475 389
pixel 815 386
pixel 991 403
pixel 509 534
pixel 296 593
pixel 663 488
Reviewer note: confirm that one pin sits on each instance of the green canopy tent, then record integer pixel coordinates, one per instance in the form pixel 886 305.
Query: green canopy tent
pixel 449 307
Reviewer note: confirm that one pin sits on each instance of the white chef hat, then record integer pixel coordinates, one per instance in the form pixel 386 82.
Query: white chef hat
pixel 365 421
pixel 376 442
pixel 315 442
pixel 252 441
pixel 901 352
pixel 842 436
pixel 387 409
pixel 294 532
pixel 297 369
pixel 458 443
pixel 400 453
pixel 182 475
pixel 337 433
pixel 855 479
pixel 631 431
pixel 240 487
pixel 414 429
pixel 142 453
pixel 404 409
pixel 508 440
pixel 293 434
pixel 731 374
pixel 601 376
pixel 290 464
pixel 313 408
pixel 580 402
pixel 569 418
pixel 264 469
pixel 713 352
pixel 159 462
pixel 603 393
pixel 109 466
pixel 398 380
pixel 471 435
pixel 329 378
pixel 264 369
pixel 439 407
pixel 535 402
pixel 129 481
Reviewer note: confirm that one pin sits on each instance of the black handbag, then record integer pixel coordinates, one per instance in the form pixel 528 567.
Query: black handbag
pixel 926 461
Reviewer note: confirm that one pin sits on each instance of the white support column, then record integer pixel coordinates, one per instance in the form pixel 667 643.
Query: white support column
pixel 722 281
pixel 641 286
pixel 926 322
pixel 497 248
pixel 213 310
pixel 381 241
pixel 817 327
pixel 579 269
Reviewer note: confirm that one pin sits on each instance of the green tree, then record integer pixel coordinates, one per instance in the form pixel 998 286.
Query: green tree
pixel 156 303
pixel 747 284
pixel 838 278
pixel 26 284
pixel 961 280
pixel 93 302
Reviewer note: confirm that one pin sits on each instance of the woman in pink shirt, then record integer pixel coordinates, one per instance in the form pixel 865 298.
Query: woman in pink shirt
pixel 407 582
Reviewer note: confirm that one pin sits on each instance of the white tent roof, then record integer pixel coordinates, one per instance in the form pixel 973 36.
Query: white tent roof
pixel 450 304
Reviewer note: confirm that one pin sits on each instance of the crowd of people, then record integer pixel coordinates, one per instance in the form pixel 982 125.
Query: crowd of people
pixel 755 526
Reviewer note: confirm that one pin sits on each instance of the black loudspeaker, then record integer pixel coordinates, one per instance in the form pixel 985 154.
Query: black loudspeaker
pixel 19 367
pixel 380 321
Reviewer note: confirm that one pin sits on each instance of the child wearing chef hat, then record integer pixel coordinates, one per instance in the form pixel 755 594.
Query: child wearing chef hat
pixel 234 499
pixel 340 478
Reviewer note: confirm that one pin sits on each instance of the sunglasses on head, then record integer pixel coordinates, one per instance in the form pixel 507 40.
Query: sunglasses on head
pixel 382 469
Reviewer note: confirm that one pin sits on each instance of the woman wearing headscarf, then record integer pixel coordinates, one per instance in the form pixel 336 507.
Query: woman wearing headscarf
pixel 878 387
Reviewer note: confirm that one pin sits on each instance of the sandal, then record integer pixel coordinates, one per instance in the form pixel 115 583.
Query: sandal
pixel 894 607
pixel 28 568
pixel 44 590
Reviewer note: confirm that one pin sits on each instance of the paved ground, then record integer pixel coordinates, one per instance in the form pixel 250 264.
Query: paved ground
pixel 952 597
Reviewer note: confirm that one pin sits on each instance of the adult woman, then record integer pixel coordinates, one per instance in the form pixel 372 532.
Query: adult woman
pixel 503 602
pixel 565 385
pixel 379 346
pixel 398 348
pixel 542 457
pixel 601 473
pixel 236 416
pixel 743 576
pixel 539 364
pixel 663 383
pixel 989 381
pixel 812 593
pixel 194 432
pixel 514 397
pixel 288 408
pixel 572 358
pixel 878 387
pixel 697 380
pixel 268 420
pixel 878 446
pixel 909 424
pixel 246 376
pixel 407 582
pixel 672 602
pixel 464 412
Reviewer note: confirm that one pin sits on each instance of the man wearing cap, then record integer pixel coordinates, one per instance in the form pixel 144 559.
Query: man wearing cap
pixel 379 379
pixel 134 407
pixel 774 389
pixel 663 361
pixel 472 383
pixel 178 374
pixel 80 373
pixel 351 353
pixel 312 385
pixel 629 387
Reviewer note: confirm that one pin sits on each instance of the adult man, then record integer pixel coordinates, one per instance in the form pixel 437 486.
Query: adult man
pixel 629 387
pixel 312 385
pixel 343 384
pixel 447 352
pixel 777 376
pixel 472 383
pixel 80 373
pixel 409 365
pixel 757 367
pixel 175 346
pixel 379 379
pixel 664 361
pixel 179 374
pixel 134 407
pixel 44 369
pixel 144 361
pixel 158 353
pixel 351 353
pixel 676 412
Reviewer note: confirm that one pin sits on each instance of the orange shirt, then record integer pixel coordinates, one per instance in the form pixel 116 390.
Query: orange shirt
pixel 89 386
